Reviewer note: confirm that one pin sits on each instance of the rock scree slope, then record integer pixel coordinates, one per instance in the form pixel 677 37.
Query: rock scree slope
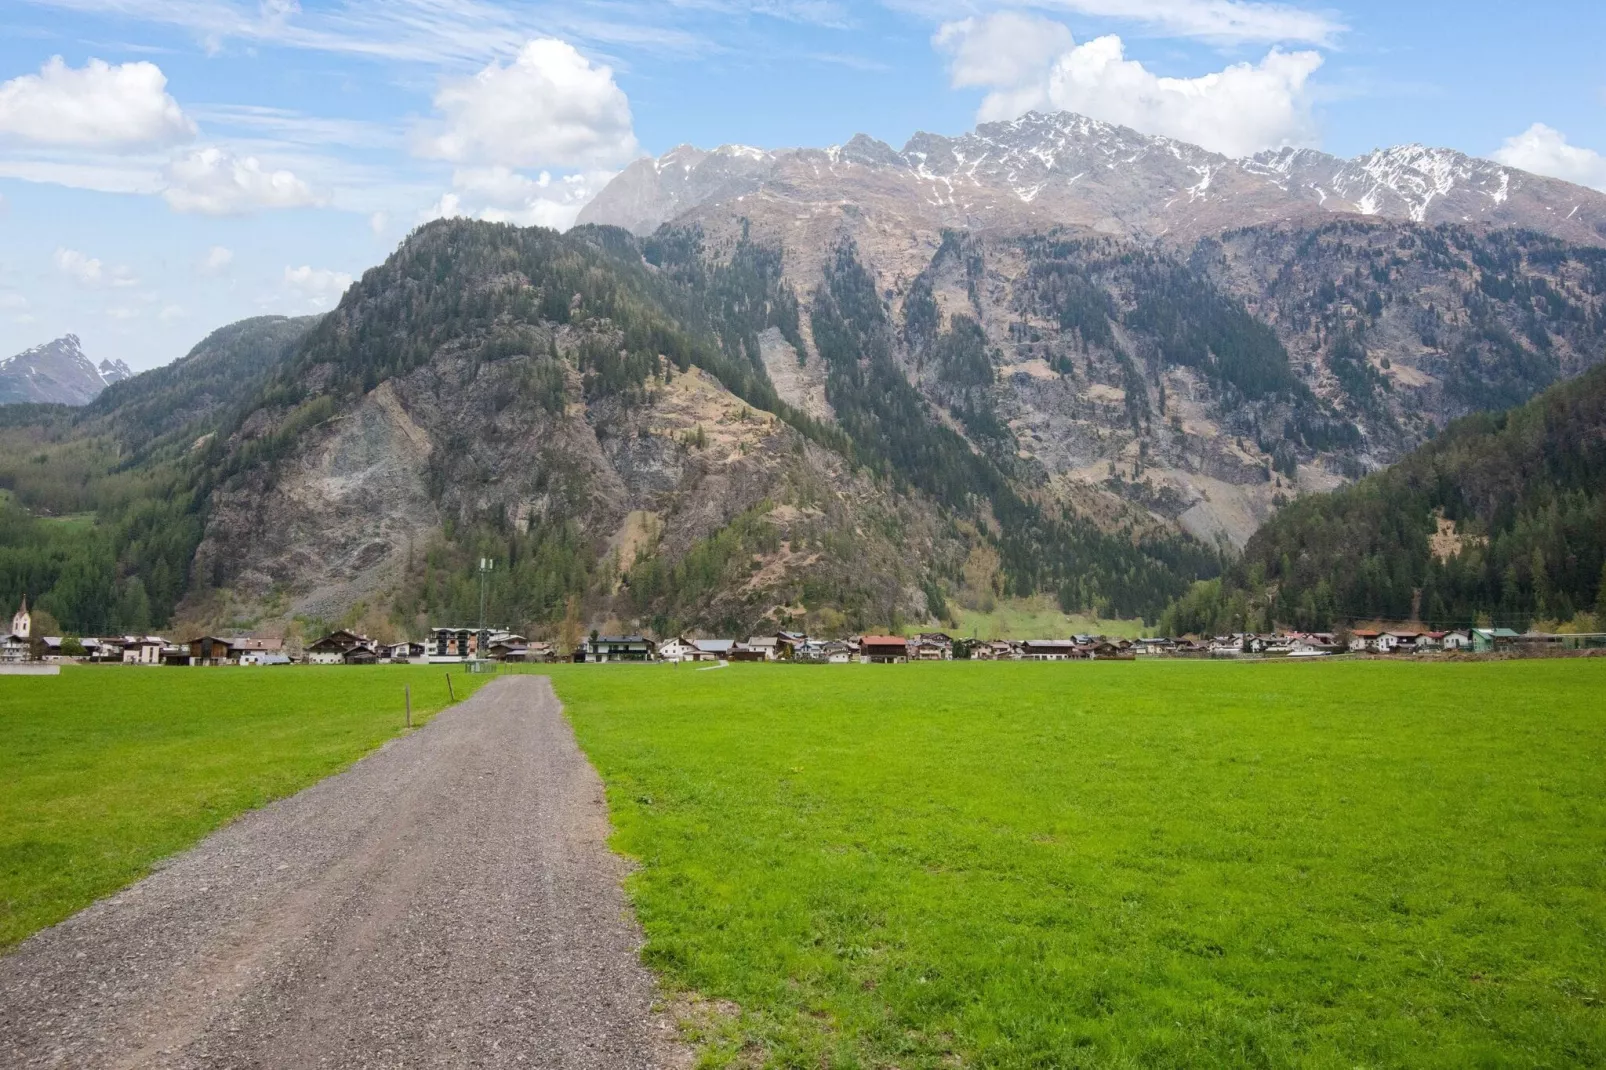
pixel 448 901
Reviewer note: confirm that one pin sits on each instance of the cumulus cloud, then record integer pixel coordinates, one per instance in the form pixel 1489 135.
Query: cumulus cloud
pixel 321 287
pixel 502 195
pixel 89 271
pixel 1005 49
pixel 217 261
pixel 550 107
pixel 213 181
pixel 121 107
pixel 1237 111
pixel 1545 150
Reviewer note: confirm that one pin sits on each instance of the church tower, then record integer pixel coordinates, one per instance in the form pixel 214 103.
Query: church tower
pixel 22 621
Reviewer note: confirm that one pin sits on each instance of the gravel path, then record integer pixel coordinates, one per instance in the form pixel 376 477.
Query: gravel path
pixel 447 901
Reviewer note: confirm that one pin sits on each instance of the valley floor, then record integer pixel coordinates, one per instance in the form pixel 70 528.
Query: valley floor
pixel 1097 864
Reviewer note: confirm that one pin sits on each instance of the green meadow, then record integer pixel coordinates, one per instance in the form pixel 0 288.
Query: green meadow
pixel 105 770
pixel 1116 865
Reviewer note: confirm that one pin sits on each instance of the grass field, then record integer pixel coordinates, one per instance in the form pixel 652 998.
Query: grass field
pixel 1144 865
pixel 103 771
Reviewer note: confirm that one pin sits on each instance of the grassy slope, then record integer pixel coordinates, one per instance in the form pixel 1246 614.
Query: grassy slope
pixel 103 771
pixel 1162 864
pixel 1033 618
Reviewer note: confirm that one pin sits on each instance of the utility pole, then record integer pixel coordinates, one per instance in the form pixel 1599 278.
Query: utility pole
pixel 486 565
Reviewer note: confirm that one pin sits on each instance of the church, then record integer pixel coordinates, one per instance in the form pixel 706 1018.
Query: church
pixel 18 645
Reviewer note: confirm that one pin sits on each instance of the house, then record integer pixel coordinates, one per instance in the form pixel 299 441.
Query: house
pixel 1487 639
pixel 884 649
pixel 1370 642
pixel 619 648
pixel 1048 650
pixel 839 653
pixel 769 645
pixel 141 650
pixel 1314 646
pixel 541 651
pixel 407 651
pixel 511 650
pixel 1456 639
pixel 360 655
pixel 461 644
pixel 788 642
pixel 211 650
pixel 744 652
pixel 1404 642
pixel 923 649
pixel 715 649
pixel 1154 647
pixel 676 650
pixel 992 650
pixel 1107 651
pixel 333 648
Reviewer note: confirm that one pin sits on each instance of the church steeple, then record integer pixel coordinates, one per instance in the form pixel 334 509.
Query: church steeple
pixel 22 620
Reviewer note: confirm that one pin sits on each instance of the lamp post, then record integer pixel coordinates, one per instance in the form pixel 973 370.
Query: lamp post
pixel 487 565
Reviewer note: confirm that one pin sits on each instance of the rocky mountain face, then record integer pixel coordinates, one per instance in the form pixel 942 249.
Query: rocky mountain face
pixel 1153 333
pixel 1068 170
pixel 58 373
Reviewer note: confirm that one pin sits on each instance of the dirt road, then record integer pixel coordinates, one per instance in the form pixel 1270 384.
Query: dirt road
pixel 447 901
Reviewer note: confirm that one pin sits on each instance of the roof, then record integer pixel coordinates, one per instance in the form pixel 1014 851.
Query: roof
pixel 883 640
pixel 714 646
pixel 253 643
pixel 621 639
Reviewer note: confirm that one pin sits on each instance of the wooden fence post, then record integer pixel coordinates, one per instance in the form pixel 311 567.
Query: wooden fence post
pixel 407 690
pixel 451 694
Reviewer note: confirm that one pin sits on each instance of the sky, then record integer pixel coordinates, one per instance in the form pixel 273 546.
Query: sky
pixel 171 166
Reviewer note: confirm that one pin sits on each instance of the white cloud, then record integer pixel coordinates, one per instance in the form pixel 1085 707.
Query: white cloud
pixel 1545 151
pixel 321 287
pixel 217 261
pixel 170 313
pixel 84 270
pixel 1218 21
pixel 98 106
pixel 1236 111
pixel 502 195
pixel 379 222
pixel 550 107
pixel 1005 49
pixel 213 181
pixel 10 302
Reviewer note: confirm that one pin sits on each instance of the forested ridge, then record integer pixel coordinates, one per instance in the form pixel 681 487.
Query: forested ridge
pixel 1499 520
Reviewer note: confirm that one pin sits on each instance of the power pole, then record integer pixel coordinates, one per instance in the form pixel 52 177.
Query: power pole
pixel 486 565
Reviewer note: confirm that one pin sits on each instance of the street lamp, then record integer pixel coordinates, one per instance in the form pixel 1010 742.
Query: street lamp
pixel 487 566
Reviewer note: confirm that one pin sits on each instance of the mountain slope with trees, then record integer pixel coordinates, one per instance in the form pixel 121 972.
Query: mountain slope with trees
pixel 1501 519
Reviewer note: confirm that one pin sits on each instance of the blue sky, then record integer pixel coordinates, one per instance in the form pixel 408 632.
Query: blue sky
pixel 169 166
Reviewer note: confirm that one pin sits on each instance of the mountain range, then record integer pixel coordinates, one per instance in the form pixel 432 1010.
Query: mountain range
pixel 1065 169
pixel 57 373
pixel 833 389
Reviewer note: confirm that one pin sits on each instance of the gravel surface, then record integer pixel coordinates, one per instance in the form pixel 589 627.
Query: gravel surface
pixel 447 901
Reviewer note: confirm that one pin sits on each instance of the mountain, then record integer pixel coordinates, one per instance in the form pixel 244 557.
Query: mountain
pixel 57 373
pixel 1064 169
pixel 1500 519
pixel 602 425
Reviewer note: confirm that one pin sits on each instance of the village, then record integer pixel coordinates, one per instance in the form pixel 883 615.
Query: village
pixel 477 646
